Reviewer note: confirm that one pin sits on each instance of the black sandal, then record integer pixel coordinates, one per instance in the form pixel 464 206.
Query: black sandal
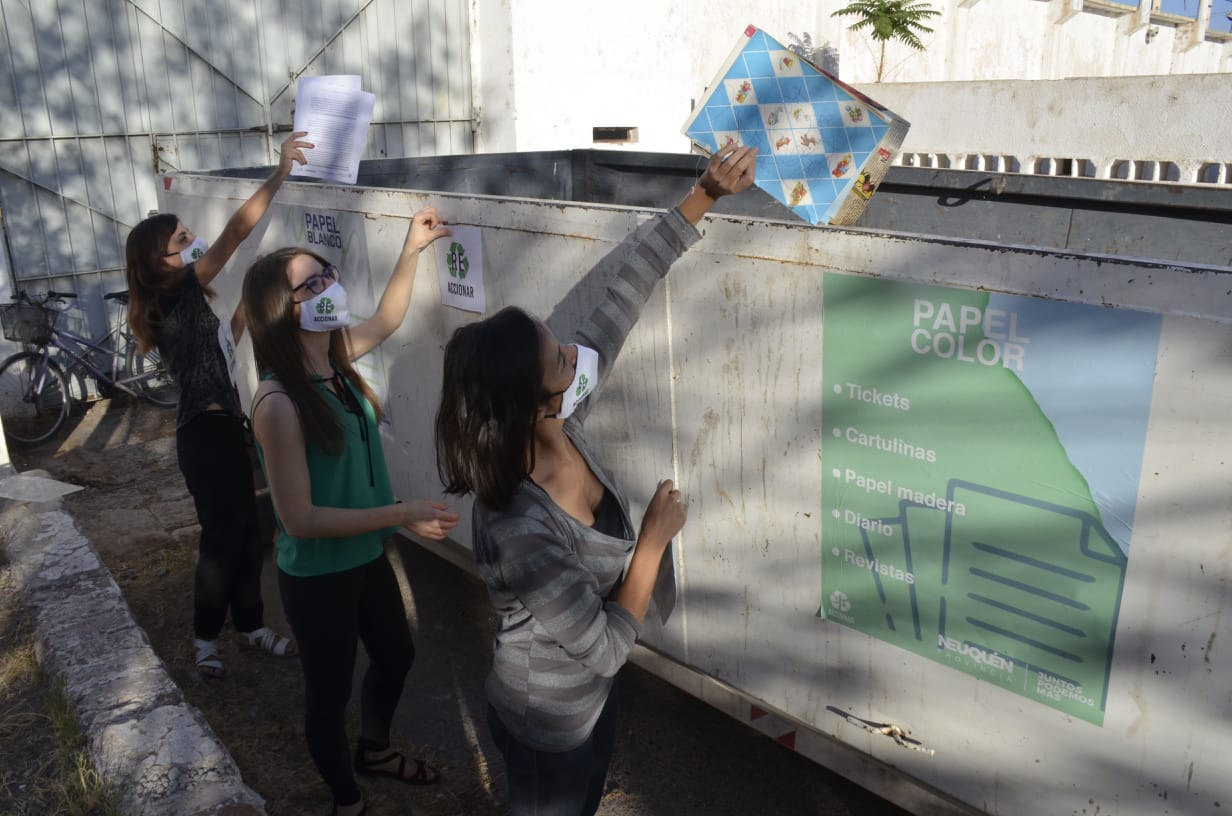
pixel 371 767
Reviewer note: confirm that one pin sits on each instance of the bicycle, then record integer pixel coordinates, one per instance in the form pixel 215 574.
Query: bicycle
pixel 34 393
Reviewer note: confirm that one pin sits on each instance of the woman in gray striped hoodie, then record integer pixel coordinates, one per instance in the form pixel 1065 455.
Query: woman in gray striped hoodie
pixel 552 532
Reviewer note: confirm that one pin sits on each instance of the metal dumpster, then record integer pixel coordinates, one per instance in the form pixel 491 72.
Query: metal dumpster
pixel 960 517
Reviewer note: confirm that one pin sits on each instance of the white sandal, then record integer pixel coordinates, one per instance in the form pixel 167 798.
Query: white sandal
pixel 267 640
pixel 209 664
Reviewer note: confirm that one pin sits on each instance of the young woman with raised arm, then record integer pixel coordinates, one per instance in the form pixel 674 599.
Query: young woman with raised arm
pixel 169 270
pixel 552 532
pixel 315 421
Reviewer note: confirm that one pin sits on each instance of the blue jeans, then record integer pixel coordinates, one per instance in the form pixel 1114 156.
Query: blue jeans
pixel 559 783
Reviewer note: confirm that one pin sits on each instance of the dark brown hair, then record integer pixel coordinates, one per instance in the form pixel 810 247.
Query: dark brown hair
pixel 276 345
pixel 149 276
pixel 492 390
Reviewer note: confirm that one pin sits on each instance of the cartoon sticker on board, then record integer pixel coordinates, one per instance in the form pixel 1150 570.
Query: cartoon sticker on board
pixel 741 91
pixel 855 114
pixel 786 63
pixel 797 193
pixel 840 165
pixel 773 115
pixel 863 186
pixel 727 141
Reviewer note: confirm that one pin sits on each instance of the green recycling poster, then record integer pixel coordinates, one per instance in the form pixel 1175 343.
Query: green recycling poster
pixel 980 461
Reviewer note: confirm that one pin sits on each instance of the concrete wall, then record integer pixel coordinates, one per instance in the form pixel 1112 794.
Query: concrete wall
pixel 726 385
pixel 550 72
pixel 1142 128
pixel 559 69
pixel 1048 39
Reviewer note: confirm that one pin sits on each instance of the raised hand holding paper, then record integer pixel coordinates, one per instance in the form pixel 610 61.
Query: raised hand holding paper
pixel 336 113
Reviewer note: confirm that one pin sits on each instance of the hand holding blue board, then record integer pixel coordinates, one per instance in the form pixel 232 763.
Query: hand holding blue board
pixel 824 146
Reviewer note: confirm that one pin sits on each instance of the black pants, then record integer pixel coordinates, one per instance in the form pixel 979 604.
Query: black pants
pixel 329 614
pixel 213 454
pixel 559 783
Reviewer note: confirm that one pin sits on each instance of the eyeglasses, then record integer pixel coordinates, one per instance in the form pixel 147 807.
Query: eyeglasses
pixel 318 283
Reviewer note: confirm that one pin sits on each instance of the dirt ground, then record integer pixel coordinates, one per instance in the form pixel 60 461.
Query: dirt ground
pixel 675 754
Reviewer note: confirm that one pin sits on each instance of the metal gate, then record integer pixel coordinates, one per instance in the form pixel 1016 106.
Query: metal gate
pixel 100 96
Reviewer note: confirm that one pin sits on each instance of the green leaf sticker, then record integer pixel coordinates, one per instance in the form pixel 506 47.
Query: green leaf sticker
pixel 459 265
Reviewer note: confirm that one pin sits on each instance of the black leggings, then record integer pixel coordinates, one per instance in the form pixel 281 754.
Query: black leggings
pixel 212 449
pixel 329 614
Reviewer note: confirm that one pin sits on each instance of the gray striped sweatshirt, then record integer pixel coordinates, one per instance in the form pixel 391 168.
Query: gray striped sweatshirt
pixel 559 640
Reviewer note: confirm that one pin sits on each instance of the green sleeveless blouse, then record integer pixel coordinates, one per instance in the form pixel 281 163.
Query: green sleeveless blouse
pixel 356 478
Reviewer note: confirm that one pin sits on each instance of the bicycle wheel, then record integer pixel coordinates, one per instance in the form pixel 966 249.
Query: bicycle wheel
pixel 34 398
pixel 156 383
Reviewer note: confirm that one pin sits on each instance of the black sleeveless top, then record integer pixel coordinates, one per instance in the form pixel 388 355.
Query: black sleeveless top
pixel 188 342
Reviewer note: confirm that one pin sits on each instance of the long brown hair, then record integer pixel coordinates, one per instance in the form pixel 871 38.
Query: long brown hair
pixel 279 351
pixel 490 398
pixel 149 276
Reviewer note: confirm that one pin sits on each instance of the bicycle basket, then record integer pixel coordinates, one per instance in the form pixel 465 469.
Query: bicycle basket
pixel 26 322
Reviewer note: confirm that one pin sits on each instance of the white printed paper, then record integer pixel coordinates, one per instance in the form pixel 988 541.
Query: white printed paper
pixel 459 268
pixel 335 113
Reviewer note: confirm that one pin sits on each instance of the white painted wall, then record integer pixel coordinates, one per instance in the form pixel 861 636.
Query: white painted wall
pixel 1107 122
pixel 1032 39
pixel 549 71
pixel 570 67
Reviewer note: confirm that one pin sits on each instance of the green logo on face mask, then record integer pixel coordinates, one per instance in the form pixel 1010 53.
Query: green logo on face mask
pixel 325 306
pixel 459 265
pixel 583 381
pixel 197 253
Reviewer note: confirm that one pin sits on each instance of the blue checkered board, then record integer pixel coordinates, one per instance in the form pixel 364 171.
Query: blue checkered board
pixel 814 134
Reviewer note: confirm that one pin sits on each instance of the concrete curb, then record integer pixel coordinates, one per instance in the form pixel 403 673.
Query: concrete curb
pixel 143 736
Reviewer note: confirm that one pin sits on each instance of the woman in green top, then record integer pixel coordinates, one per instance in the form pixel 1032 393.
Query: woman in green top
pixel 315 421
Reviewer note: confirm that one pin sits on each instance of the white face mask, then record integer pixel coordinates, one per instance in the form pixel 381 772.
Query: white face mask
pixel 326 311
pixel 585 378
pixel 193 252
